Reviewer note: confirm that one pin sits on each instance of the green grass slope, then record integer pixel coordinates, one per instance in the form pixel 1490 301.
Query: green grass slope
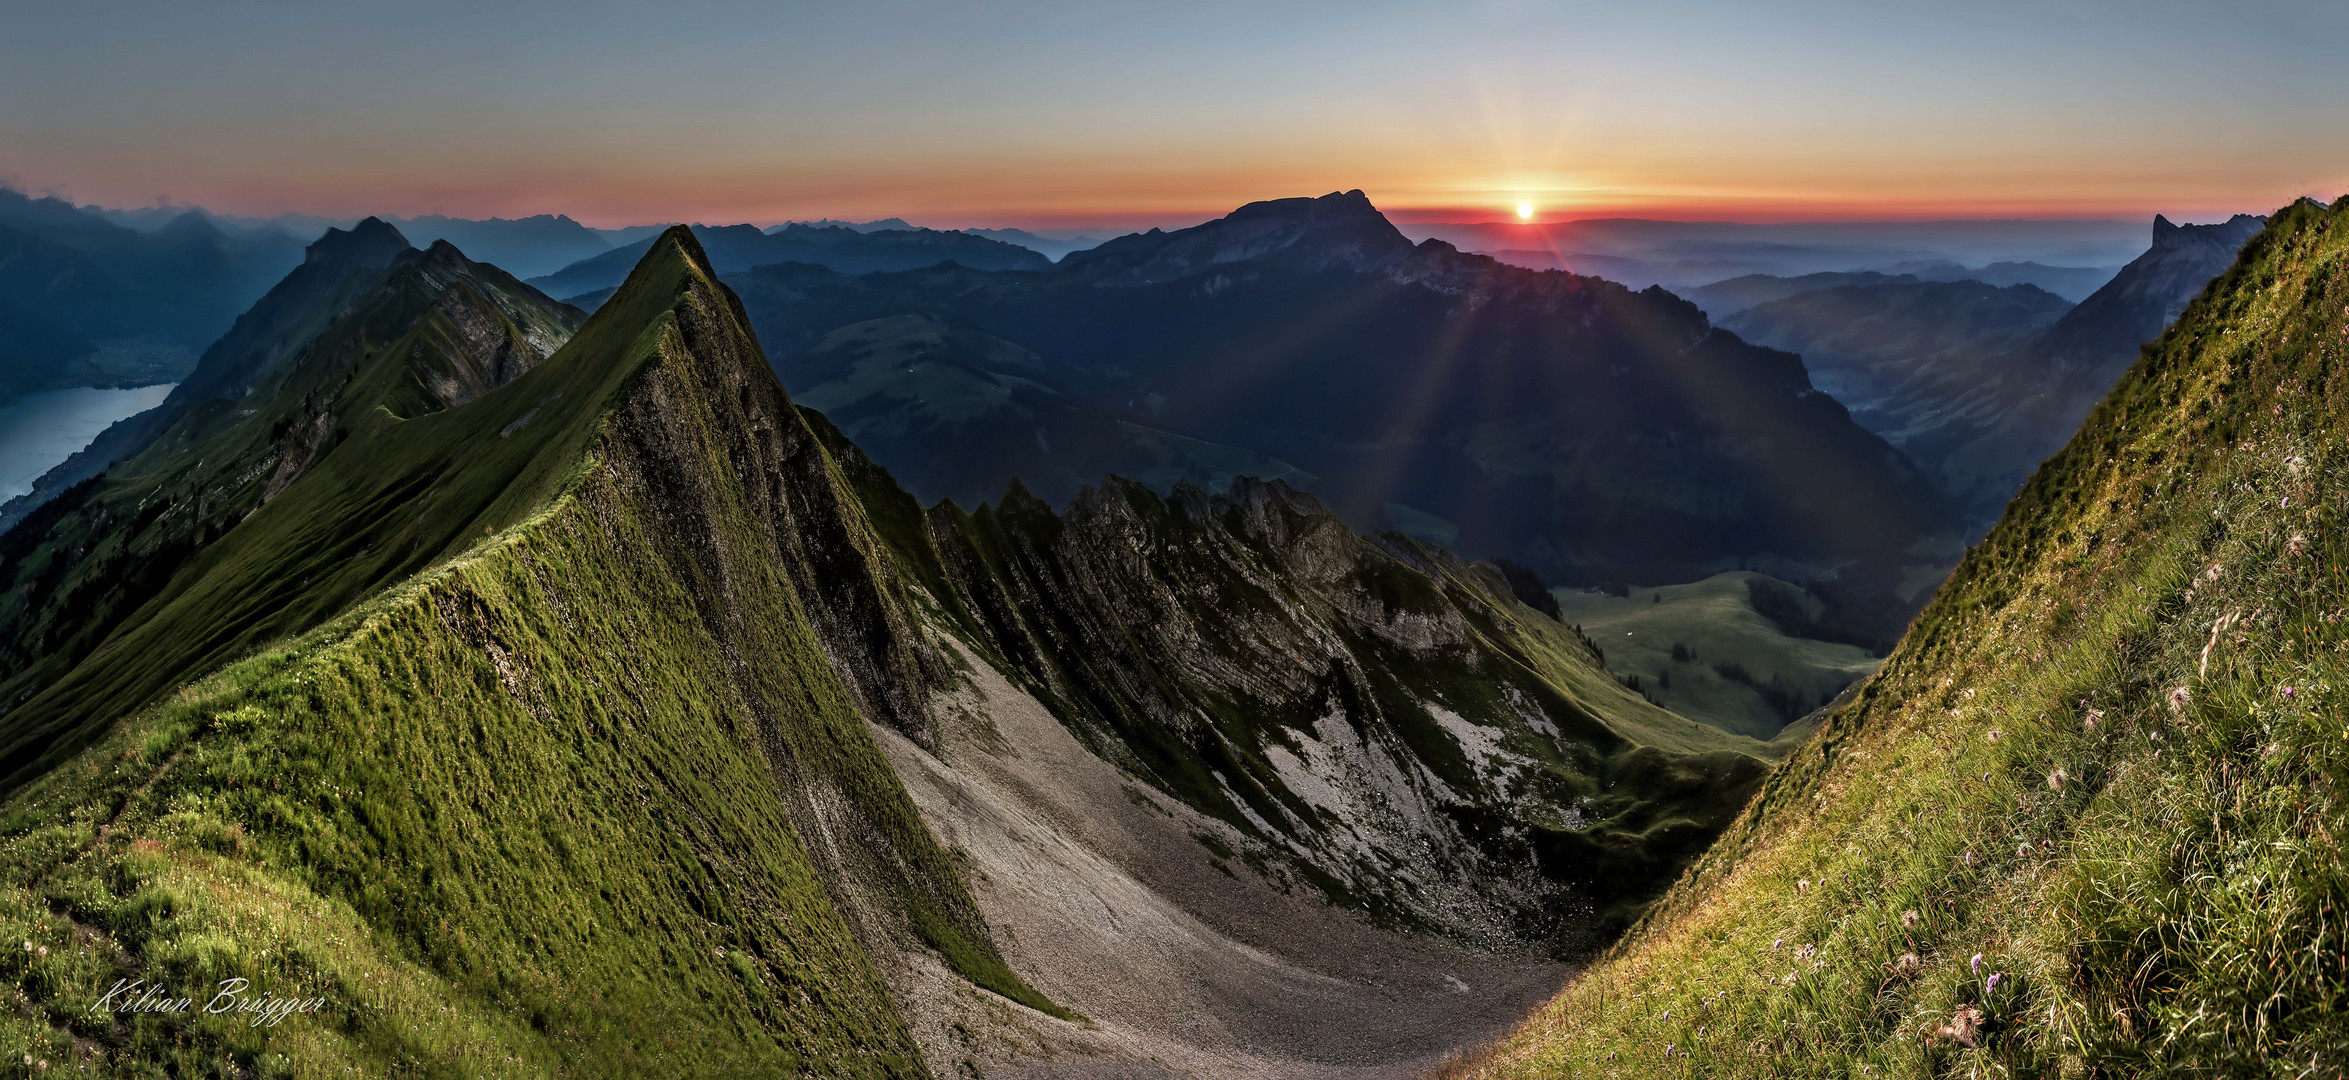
pixel 591 794
pixel 2088 819
pixel 206 545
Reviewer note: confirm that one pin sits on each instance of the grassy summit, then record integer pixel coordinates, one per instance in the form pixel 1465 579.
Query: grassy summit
pixel 2087 820
pixel 563 771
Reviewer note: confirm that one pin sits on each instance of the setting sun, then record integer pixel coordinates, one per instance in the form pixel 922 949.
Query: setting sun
pixel 1525 211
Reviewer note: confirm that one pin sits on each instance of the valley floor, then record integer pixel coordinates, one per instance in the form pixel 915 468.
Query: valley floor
pixel 1105 898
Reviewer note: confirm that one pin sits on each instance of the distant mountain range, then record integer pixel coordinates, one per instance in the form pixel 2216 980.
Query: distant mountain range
pixel 888 224
pixel 1801 247
pixel 1977 384
pixel 85 301
pixel 1054 248
pixel 1594 432
pixel 1708 277
pixel 1927 365
pixel 850 251
pixel 524 247
pixel 1723 299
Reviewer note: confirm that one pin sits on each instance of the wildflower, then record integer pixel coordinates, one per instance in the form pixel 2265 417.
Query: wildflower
pixel 1991 983
pixel 2289 693
pixel 1969 856
pixel 1975 964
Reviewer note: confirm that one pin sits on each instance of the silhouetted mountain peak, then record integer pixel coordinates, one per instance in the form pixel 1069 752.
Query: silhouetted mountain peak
pixel 372 242
pixel 194 223
pixel 2231 233
pixel 1337 231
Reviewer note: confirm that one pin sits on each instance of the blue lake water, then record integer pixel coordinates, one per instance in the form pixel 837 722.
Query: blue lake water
pixel 41 430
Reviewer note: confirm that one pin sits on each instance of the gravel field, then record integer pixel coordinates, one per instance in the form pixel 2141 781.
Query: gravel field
pixel 1103 899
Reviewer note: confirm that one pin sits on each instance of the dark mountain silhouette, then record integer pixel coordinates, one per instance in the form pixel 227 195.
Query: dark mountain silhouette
pixel 1051 247
pixel 1976 384
pixel 1592 432
pixel 1926 364
pixel 1727 297
pixel 524 247
pixel 182 284
pixel 878 225
pixel 739 247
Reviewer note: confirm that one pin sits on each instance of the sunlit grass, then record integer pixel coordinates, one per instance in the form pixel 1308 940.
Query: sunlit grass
pixel 2105 761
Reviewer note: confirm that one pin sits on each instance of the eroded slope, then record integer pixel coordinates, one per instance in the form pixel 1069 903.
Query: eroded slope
pixel 1375 720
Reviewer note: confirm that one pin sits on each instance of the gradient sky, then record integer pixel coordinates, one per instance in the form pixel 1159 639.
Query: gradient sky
pixel 1048 114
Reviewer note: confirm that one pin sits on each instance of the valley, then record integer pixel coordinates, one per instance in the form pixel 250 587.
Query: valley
pixel 971 780
pixel 1104 747
pixel 1076 541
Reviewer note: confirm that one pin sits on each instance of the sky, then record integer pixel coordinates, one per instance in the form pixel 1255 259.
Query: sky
pixel 1049 114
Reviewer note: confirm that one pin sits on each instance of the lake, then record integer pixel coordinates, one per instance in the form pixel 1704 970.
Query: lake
pixel 41 430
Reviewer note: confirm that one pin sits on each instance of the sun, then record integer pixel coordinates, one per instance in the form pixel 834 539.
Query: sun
pixel 1525 211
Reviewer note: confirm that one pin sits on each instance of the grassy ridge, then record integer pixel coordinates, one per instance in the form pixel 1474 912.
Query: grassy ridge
pixel 592 799
pixel 2087 820
pixel 124 589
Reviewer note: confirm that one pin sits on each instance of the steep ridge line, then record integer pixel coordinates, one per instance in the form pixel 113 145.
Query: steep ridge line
pixel 591 798
pixel 2086 820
